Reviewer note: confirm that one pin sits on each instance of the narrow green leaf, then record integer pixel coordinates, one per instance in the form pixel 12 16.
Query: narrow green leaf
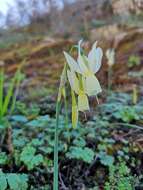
pixel 17 85
pixel 1 89
pixel 10 93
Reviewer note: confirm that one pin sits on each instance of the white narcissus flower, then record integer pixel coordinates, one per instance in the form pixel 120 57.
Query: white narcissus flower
pixel 87 67
pixel 82 80
pixel 110 54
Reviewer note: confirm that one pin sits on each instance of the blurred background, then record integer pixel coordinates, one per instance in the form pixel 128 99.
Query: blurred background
pixel 39 31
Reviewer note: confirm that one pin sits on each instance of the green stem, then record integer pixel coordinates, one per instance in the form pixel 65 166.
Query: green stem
pixel 1 90
pixel 109 80
pixel 56 148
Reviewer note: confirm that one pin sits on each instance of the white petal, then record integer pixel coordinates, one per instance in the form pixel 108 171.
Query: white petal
pixel 79 46
pixel 95 58
pixel 73 80
pixel 92 85
pixel 80 60
pixel 72 63
pixel 84 69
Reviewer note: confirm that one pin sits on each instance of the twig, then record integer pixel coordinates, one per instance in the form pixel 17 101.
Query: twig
pixel 9 140
pixel 91 166
pixel 129 125
pixel 62 183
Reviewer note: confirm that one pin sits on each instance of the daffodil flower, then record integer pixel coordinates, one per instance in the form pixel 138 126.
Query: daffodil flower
pixel 82 80
pixel 87 67
pixel 78 87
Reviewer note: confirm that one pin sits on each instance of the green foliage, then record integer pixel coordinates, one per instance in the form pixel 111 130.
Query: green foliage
pixel 133 61
pixel 85 154
pixel 4 123
pixel 29 111
pixel 13 181
pixel 118 108
pixel 19 118
pixel 92 141
pixel 17 182
pixel 5 101
pixel 79 142
pixel 126 114
pixel 40 121
pixel 30 158
pixel 3 181
pixel 105 159
pixel 120 178
pixel 3 158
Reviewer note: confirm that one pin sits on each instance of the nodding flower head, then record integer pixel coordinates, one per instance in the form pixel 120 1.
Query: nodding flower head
pixel 80 74
pixel 87 66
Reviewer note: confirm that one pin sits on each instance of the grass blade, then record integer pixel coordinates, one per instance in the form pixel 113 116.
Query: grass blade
pixel 17 85
pixel 9 93
pixel 1 88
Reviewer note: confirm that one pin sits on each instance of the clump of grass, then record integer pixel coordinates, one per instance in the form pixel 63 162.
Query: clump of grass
pixel 8 101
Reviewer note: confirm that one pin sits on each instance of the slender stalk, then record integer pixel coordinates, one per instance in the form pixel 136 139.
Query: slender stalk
pixel 58 105
pixel 56 169
pixel 130 125
pixel 1 90
pixel 66 108
pixel 9 142
pixel 109 79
